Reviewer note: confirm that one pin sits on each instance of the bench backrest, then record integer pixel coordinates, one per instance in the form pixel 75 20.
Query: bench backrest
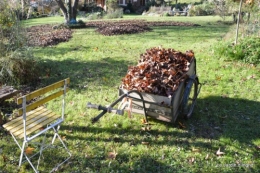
pixel 55 88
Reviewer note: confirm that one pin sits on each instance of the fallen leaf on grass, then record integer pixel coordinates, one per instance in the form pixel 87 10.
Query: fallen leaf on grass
pixel 195 149
pixel 145 143
pixel 251 77
pixel 112 155
pixel 143 121
pixel 182 125
pixel 83 114
pixel 207 157
pixel 68 131
pixel 224 96
pixel 29 150
pixel 191 160
pixel 218 77
pixel 219 153
pixel 147 128
pixel 5 158
pixel 257 147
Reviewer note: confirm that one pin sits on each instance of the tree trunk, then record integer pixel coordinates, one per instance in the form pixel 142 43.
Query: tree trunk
pixel 74 9
pixel 64 10
pixel 22 4
pixel 70 12
pixel 239 15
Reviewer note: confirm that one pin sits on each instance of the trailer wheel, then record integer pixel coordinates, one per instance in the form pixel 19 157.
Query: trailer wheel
pixel 189 97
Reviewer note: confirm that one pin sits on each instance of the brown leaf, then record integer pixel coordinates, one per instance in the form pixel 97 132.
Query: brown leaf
pixel 143 121
pixel 83 113
pixel 63 138
pixel 257 147
pixel 112 155
pixel 147 128
pixel 5 158
pixel 29 150
pixel 191 160
pixel 182 125
pixel 195 149
pixel 218 77
pixel 219 153
pixel 159 71
pixel 145 143
pixel 69 131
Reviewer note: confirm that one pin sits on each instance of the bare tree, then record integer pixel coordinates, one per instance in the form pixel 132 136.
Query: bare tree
pixel 69 12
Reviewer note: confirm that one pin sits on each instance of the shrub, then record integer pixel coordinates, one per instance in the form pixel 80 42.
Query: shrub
pixel 202 9
pixel 149 3
pixel 94 16
pixel 17 64
pixel 247 50
pixel 118 13
pixel 166 14
pixel 112 6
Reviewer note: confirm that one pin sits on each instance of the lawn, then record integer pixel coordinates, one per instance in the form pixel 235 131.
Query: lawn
pixel 226 117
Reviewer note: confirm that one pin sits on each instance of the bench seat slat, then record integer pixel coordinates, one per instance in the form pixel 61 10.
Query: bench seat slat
pixel 35 120
pixel 19 120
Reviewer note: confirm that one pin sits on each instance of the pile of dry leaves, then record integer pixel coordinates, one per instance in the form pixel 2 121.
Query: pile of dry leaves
pixel 159 71
pixel 122 28
pixel 131 26
pixel 47 35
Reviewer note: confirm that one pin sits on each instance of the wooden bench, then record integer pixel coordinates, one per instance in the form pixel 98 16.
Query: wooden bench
pixel 36 119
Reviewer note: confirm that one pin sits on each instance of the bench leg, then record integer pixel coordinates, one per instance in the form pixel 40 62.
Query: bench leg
pixel 56 135
pixel 41 150
pixel 23 154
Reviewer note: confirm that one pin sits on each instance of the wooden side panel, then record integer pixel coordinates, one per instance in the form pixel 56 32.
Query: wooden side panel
pixel 42 91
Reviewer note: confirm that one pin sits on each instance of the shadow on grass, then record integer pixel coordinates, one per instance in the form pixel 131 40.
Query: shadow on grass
pixel 218 122
pixel 183 32
pixel 101 72
pixel 213 117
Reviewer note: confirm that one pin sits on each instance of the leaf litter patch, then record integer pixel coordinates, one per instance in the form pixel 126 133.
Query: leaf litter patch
pixel 109 28
pixel 50 35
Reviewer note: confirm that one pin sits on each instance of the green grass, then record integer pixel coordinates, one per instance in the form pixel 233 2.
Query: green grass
pixel 226 115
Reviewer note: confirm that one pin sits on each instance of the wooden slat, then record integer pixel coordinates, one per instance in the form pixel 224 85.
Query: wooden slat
pixel 41 102
pixel 19 120
pixel 43 91
pixel 36 119
pixel 38 124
